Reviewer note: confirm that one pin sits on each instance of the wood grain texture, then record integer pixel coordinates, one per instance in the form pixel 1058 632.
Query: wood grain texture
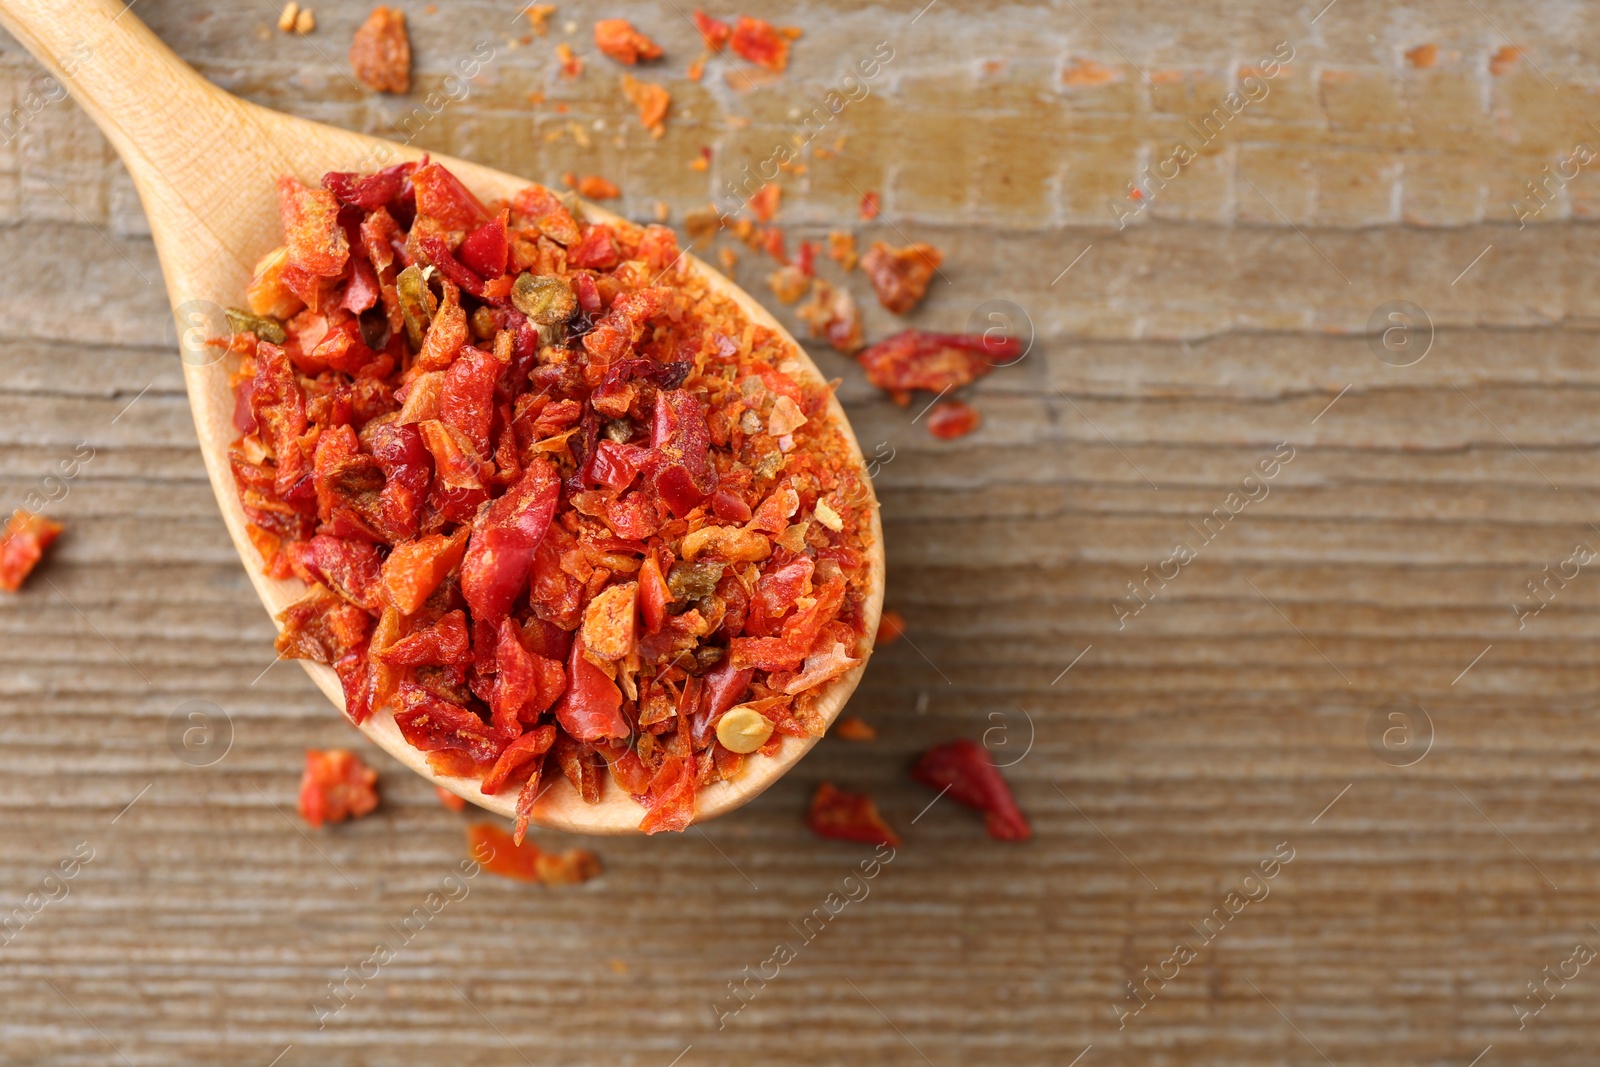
pixel 1171 759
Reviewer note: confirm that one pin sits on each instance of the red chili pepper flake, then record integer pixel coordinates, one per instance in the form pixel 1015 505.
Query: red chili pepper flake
pixel 854 728
pixel 848 817
pixel 618 39
pixel 806 258
pixel 449 799
pixel 967 772
pixel 832 314
pixel 526 862
pixel 594 187
pixel 571 62
pixel 764 204
pixel 916 359
pixel 22 545
pixel 891 624
pixel 772 241
pixel 336 786
pixel 760 42
pixel 713 30
pixel 870 203
pixel 541 491
pixel 901 275
pixel 381 53
pixel 950 419
pixel 651 101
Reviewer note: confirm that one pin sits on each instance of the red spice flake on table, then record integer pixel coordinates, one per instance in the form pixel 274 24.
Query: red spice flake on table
pixel 447 798
pixel 715 31
pixel 650 100
pixel 524 861
pixel 22 545
pixel 697 68
pixel 848 817
pixel 935 362
pixel 539 17
pixel 831 313
pixel 760 42
pixel 900 276
pixel 594 187
pixel 842 248
pixel 950 419
pixel 618 39
pixel 891 624
pixel 788 283
pixel 966 771
pixel 764 204
pixel 870 203
pixel 855 728
pixel 336 786
pixel 550 494
pixel 772 240
pixel 381 52
pixel 571 62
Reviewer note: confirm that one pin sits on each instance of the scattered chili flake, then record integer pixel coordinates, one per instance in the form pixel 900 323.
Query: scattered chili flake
pixel 728 258
pixel 22 545
pixel 772 240
pixel 855 728
pixel 916 359
pixel 1423 56
pixel 697 68
pixel 543 510
pixel 650 100
pixel 618 39
pixel 842 248
pixel 571 62
pixel 381 52
pixel 950 419
pixel 967 772
pixel 594 187
pixel 832 314
pixel 870 203
pixel 449 799
pixel 764 204
pixel 788 283
pixel 336 786
pixel 759 42
pixel 891 624
pixel 806 259
pixel 901 275
pixel 1504 60
pixel 539 17
pixel 715 31
pixel 848 817
pixel 526 862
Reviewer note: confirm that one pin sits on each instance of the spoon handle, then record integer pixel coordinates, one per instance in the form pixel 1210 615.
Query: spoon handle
pixel 133 86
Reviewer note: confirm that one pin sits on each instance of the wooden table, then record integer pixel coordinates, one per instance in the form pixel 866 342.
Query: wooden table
pixel 1442 860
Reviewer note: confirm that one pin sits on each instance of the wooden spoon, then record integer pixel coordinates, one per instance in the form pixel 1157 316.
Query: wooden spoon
pixel 204 163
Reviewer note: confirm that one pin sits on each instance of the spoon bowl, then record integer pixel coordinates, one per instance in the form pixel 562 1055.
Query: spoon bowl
pixel 213 213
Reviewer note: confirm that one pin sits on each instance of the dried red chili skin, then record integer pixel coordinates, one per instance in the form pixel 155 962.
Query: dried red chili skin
pixel 759 42
pixel 900 276
pixel 22 545
pixel 370 191
pixel 524 750
pixel 916 359
pixel 618 39
pixel 684 475
pixel 442 197
pixel 380 53
pixel 591 708
pixel 848 817
pixel 503 542
pixel 966 772
pixel 429 724
pixel 335 786
pixel 715 31
pixel 951 419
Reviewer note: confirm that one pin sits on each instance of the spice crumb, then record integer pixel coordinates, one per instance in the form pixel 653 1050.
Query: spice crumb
pixel 539 17
pixel 854 728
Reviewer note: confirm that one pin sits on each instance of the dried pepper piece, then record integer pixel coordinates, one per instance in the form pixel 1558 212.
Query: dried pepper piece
pixel 713 30
pixel 760 42
pixel 900 276
pixel 380 54
pixel 336 786
pixel 871 203
pixel 935 362
pixel 503 541
pixel 967 772
pixel 618 39
pixel 264 327
pixel 500 854
pixel 651 101
pixel 832 314
pixel 594 187
pixel 848 817
pixel 891 624
pixel 22 545
pixel 764 204
pixel 950 419
pixel 855 728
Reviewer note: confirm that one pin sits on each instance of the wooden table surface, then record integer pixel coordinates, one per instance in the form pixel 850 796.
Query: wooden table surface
pixel 1345 663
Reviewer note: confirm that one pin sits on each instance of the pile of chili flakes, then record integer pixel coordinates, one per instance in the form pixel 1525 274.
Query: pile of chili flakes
pixel 560 508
